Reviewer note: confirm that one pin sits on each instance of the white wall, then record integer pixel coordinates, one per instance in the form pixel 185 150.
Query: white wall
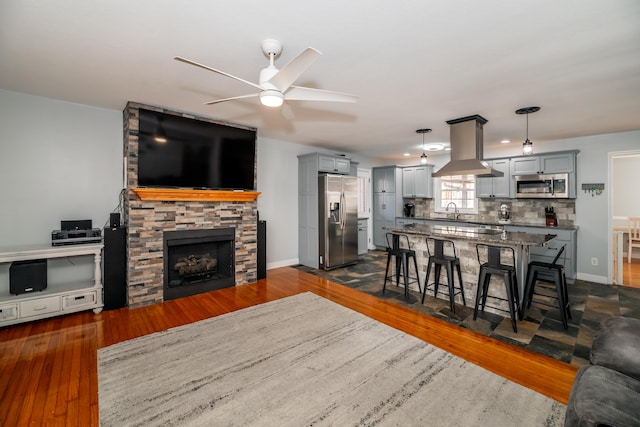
pixel 58 161
pixel 278 201
pixel 592 216
pixel 592 212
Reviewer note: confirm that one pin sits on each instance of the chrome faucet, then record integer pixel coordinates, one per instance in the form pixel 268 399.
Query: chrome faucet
pixel 456 214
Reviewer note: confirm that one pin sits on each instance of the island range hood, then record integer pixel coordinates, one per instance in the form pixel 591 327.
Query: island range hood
pixel 466 149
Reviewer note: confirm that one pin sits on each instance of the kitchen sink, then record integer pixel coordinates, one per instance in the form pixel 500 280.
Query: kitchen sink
pixel 480 229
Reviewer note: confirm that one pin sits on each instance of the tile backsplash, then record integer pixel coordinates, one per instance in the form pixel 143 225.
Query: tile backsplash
pixel 523 211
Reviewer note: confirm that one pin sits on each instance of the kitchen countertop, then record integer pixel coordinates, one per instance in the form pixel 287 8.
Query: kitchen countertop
pixel 561 225
pixel 465 233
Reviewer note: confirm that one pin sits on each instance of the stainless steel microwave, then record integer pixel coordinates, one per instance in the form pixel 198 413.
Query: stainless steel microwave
pixel 544 186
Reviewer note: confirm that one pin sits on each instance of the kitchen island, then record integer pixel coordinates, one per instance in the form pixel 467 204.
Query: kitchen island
pixel 465 239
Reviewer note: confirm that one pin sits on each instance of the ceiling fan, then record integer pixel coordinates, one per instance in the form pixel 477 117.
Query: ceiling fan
pixel 275 85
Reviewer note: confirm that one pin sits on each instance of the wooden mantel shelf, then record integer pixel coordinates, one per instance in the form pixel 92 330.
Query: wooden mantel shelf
pixel 185 195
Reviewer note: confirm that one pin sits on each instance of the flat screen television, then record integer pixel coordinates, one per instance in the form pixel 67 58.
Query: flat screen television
pixel 179 152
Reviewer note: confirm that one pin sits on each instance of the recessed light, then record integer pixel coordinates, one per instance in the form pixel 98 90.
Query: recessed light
pixel 434 147
pixel 505 141
pixel 406 154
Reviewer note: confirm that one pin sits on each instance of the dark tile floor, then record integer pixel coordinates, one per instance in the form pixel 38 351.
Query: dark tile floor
pixel 541 330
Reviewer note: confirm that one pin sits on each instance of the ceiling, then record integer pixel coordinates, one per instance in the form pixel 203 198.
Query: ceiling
pixel 414 64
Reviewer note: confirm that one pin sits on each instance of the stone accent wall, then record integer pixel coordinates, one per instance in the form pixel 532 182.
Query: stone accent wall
pixel 523 211
pixel 147 221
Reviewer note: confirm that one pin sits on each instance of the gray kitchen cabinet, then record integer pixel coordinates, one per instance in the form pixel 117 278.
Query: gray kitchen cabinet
pixel 548 252
pixel 529 165
pixel 308 244
pixel 387 201
pixel 309 166
pixel 495 186
pixel 363 237
pixel 334 164
pixel 386 179
pixel 417 182
pixel 560 162
pixel 384 215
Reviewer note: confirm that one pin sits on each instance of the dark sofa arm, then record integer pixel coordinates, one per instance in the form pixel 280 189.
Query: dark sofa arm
pixel 616 346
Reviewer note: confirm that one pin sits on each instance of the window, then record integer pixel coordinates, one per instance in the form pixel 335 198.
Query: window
pixel 458 189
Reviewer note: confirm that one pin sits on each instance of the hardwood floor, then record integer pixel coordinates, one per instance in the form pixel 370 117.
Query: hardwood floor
pixel 631 273
pixel 48 369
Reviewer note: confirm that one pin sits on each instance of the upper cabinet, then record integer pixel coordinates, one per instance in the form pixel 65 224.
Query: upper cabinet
pixel 495 186
pixel 334 164
pixel 386 179
pixel 561 162
pixel 417 182
pixel 387 201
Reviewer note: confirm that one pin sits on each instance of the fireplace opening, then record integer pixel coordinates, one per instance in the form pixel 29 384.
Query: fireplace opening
pixel 197 261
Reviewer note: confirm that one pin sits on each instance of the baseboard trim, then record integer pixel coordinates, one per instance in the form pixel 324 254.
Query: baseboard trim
pixel 285 263
pixel 593 278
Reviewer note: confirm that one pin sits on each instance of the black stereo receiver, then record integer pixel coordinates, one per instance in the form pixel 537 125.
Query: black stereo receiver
pixel 72 237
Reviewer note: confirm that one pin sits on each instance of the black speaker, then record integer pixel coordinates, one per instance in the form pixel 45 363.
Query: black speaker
pixel 114 220
pixel 27 276
pixel 78 224
pixel 115 267
pixel 262 249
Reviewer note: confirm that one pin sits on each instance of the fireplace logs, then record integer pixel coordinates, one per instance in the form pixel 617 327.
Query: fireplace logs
pixel 196 265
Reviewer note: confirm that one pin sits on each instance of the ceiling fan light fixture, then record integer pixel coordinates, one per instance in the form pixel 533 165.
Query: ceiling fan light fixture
pixel 527 145
pixel 271 98
pixel 423 157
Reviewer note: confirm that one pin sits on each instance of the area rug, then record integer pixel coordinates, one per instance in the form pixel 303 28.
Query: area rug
pixel 304 361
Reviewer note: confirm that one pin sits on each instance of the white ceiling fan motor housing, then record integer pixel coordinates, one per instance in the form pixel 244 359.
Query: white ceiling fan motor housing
pixel 271 47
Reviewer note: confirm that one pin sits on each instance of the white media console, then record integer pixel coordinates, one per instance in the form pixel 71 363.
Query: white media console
pixel 56 299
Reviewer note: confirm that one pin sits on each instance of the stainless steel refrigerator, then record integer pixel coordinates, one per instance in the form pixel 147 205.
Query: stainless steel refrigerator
pixel 338 216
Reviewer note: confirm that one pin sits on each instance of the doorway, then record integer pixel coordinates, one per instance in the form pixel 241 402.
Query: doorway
pixel 624 202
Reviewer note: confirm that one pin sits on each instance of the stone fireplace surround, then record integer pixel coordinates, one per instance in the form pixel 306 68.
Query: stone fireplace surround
pixel 148 217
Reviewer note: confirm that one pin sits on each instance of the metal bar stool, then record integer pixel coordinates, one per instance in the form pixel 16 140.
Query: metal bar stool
pixel 561 295
pixel 398 247
pixel 438 259
pixel 494 265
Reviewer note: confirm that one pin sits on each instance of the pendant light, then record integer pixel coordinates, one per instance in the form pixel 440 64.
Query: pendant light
pixel 527 145
pixel 423 157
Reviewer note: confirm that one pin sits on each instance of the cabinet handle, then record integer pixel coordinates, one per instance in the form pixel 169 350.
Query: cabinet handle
pixel 79 298
pixel 42 307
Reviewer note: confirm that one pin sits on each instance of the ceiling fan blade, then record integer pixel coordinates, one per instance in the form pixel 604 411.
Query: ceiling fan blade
pixel 197 64
pixel 253 95
pixel 294 69
pixel 298 93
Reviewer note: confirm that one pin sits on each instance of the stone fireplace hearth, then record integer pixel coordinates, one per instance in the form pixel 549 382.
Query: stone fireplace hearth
pixel 149 218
